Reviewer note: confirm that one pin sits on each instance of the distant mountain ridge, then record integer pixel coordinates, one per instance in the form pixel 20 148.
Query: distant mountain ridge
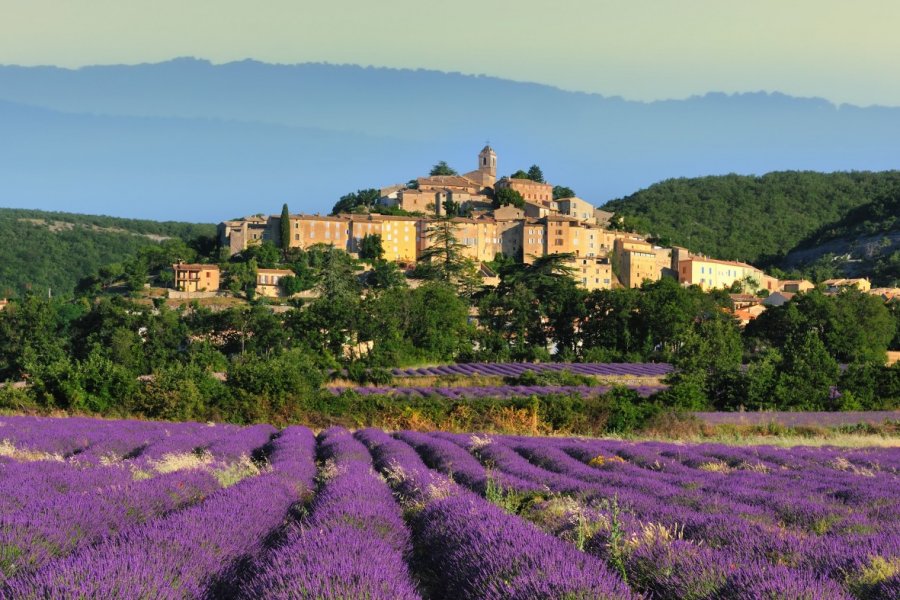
pixel 187 139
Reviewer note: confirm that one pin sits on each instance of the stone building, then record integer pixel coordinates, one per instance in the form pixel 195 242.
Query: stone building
pixel 532 191
pixel 592 273
pixel 196 277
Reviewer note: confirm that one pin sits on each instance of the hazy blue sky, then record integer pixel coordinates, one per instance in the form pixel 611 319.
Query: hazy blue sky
pixel 642 49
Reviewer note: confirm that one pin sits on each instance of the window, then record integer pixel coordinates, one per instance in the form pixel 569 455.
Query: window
pixel 297 236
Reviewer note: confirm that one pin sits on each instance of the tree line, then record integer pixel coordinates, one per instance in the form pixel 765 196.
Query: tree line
pixel 112 354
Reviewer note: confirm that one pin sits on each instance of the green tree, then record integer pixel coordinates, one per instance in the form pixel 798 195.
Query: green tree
pixel 331 321
pixel 438 321
pixel 442 168
pixel 862 328
pixel 807 375
pixel 538 301
pixel 361 200
pixel 177 393
pixel 507 196
pixel 520 174
pixel 561 191
pixel 385 275
pixel 708 355
pixel 267 255
pixel 371 247
pixel 610 324
pixel 854 327
pixel 32 334
pixel 535 174
pixel 290 285
pixel 241 277
pixel 285 226
pixel 136 274
pixel 274 389
pixel 443 259
pixel 760 381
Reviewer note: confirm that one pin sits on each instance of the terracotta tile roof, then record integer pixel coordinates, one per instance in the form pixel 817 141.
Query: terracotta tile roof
pixel 452 180
pixel 301 217
pixel 275 271
pixel 194 267
pixel 732 263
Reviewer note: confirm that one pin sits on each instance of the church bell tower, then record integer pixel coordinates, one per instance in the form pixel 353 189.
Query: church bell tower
pixel 487 161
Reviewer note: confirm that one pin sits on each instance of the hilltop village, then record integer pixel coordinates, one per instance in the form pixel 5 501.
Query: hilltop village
pixel 519 218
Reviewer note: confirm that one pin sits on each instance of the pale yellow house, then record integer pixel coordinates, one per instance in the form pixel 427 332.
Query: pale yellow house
pixel 711 273
pixel 268 281
pixel 592 273
pixel 480 237
pixel 398 237
pixel 309 230
pixel 196 277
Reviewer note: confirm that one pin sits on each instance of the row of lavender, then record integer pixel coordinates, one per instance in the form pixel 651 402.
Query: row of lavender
pixel 701 521
pixel 350 540
pixel 517 369
pixel 494 391
pixel 582 517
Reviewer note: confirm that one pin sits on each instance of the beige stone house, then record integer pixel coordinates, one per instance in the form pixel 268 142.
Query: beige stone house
pixel 268 281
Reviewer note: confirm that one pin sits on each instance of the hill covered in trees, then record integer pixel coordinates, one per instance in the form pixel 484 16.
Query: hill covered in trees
pixel 763 219
pixel 42 250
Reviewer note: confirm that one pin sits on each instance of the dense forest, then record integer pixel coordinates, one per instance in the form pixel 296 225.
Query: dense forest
pixel 761 219
pixel 54 250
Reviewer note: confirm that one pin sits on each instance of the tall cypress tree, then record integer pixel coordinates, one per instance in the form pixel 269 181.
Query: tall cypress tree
pixel 285 228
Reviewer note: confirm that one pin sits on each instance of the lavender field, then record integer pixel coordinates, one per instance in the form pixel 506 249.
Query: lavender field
pixel 129 509
pixel 518 368
pixel 495 391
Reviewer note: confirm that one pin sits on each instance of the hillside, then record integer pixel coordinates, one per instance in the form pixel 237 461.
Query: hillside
pixel 54 249
pixel 761 219
pixel 864 242
pixel 190 140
